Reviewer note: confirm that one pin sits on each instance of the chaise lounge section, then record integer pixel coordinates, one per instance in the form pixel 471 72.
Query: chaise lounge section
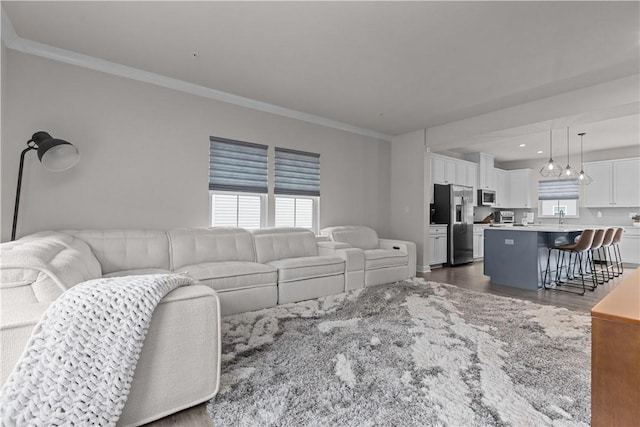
pixel 385 260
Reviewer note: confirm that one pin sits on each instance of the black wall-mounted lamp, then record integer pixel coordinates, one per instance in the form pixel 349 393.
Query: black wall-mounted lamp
pixel 55 155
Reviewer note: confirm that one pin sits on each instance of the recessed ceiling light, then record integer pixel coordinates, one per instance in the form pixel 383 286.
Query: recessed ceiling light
pixel 539 151
pixel 523 145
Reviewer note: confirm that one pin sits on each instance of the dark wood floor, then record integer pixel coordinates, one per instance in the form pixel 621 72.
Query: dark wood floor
pixel 468 276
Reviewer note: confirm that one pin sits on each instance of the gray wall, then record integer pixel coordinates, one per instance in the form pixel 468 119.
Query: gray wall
pixel 408 191
pixel 145 153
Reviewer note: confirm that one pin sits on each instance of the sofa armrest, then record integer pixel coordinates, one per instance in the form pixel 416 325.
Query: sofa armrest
pixel 354 262
pixel 331 246
pixel 16 325
pixel 405 246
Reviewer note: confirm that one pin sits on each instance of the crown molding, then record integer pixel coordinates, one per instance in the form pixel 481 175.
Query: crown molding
pixel 17 43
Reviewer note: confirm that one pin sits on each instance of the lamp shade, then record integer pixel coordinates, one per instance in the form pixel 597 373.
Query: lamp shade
pixel 55 155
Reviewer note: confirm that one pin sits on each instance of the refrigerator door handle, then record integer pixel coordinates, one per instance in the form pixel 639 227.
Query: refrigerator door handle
pixel 463 218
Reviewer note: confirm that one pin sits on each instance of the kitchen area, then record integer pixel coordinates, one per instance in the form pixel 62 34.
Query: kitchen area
pixel 470 194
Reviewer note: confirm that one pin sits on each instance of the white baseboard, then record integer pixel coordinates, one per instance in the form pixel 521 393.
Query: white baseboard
pixel 423 269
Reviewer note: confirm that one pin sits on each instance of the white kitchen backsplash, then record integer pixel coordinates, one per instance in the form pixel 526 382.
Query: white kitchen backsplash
pixel 608 216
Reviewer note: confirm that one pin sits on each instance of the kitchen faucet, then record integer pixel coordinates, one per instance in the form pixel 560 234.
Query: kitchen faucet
pixel 560 217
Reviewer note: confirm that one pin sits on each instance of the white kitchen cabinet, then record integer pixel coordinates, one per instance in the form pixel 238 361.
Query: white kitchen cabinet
pixel 626 180
pixel 437 244
pixel 519 188
pixel 501 181
pixel 472 179
pixel 615 183
pixel 437 170
pixel 485 169
pixel 448 170
pixel 599 193
pixel 478 242
pixel 630 246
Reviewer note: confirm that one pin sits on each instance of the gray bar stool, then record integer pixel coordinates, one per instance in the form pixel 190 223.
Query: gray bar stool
pixel 606 245
pixel 617 238
pixel 598 238
pixel 579 248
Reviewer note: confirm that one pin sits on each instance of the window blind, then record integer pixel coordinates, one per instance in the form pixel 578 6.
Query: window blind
pixel 297 173
pixel 237 166
pixel 558 189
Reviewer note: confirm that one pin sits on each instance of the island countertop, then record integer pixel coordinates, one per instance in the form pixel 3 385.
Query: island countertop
pixel 546 228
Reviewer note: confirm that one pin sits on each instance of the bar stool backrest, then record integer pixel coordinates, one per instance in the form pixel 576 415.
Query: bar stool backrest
pixel 608 236
pixel 585 242
pixel 618 236
pixel 598 238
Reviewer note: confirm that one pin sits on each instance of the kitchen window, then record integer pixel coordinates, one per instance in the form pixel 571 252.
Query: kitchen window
pixel 237 183
pixel 558 197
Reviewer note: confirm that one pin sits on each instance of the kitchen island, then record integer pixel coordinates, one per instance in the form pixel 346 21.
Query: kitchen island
pixel 517 256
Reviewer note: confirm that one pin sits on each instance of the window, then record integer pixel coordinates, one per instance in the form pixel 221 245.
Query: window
pixel 295 212
pixel 558 196
pixel 237 183
pixel 297 188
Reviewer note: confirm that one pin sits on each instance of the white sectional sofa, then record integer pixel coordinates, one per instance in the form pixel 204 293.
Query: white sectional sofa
pixel 385 260
pixel 237 271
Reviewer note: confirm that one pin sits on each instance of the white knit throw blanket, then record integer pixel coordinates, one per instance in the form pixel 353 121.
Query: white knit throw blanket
pixel 79 362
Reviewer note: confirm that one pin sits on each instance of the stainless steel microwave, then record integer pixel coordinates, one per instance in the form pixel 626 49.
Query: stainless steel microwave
pixel 486 198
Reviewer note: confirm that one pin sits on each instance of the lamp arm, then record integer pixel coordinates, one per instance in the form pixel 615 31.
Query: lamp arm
pixel 15 209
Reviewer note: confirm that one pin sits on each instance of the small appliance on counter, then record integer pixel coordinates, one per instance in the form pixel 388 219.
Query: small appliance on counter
pixel 507 217
pixel 527 218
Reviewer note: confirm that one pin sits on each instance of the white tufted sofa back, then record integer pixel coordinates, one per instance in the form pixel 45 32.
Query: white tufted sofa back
pixel 120 250
pixel 280 243
pixel 197 245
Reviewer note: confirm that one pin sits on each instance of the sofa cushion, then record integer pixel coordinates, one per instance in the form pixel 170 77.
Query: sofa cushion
pixel 197 245
pixel 357 236
pixel 119 250
pixel 231 275
pixel 381 258
pixel 292 269
pixel 137 272
pixel 282 243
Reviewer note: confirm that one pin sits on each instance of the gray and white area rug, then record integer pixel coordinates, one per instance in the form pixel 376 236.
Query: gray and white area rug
pixel 413 353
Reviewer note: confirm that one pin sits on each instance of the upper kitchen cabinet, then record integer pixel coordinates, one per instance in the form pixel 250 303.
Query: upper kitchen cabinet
pixel 520 188
pixel 448 170
pixel 501 182
pixel 485 169
pixel 615 183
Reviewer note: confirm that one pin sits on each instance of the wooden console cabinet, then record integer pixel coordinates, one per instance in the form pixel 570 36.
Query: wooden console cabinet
pixel 615 356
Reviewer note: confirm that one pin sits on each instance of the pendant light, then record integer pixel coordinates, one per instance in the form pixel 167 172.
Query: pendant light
pixel 568 172
pixel 551 168
pixel 583 178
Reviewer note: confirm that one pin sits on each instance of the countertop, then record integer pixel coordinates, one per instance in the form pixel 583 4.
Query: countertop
pixel 623 303
pixel 544 228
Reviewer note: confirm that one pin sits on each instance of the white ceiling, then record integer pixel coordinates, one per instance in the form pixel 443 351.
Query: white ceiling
pixel 391 67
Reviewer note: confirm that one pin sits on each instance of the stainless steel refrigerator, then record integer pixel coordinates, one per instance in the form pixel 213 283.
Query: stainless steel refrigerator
pixel 454 207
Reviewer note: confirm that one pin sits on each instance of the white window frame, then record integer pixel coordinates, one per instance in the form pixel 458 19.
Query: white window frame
pixel 561 202
pixel 315 207
pixel 263 204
